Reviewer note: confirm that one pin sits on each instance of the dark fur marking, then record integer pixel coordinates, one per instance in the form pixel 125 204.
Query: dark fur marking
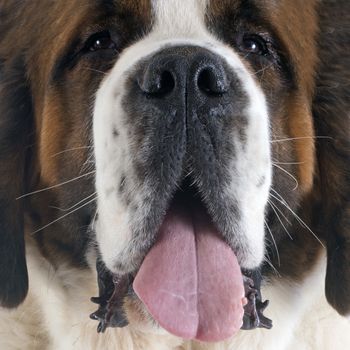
pixel 331 110
pixel 115 132
pixel 15 112
pixel 122 184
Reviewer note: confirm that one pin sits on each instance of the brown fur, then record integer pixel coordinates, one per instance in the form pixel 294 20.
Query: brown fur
pixel 307 97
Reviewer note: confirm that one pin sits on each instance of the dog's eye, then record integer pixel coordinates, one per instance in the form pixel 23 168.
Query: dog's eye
pixel 100 41
pixel 254 44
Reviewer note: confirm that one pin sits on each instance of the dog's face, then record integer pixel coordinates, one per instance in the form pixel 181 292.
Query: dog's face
pixel 180 106
pixel 194 101
pixel 143 100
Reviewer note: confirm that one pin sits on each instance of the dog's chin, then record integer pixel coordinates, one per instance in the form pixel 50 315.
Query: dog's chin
pixel 216 209
pixel 187 206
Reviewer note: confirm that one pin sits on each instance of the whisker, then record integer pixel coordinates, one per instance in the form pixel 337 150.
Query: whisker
pixel 76 204
pixel 70 150
pixel 298 218
pixel 262 70
pixel 63 216
pixel 279 218
pixel 301 138
pixel 55 186
pixel 87 162
pixel 189 173
pixel 280 211
pixel 277 194
pixel 96 71
pixel 289 174
pixel 94 221
pixel 272 266
pixel 274 243
pixel 288 163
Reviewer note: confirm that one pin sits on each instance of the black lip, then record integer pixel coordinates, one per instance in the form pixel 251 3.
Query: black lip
pixel 112 291
pixel 253 312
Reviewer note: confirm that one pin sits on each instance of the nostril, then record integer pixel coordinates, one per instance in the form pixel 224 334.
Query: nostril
pixel 211 82
pixel 157 84
pixel 167 83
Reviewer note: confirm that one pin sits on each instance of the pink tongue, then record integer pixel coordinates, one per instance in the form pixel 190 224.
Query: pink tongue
pixel 190 281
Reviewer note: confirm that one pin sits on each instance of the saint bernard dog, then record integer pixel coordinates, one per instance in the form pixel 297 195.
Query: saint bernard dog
pixel 168 166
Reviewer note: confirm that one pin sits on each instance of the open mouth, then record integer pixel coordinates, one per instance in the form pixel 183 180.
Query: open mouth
pixel 190 280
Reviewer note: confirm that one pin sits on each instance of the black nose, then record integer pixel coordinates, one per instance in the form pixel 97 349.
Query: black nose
pixel 184 108
pixel 175 72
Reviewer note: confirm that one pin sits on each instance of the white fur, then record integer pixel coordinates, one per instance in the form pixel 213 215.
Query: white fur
pixel 55 314
pixel 177 23
pixel 55 317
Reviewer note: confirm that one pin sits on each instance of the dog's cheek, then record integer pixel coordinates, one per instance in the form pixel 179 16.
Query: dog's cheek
pixel 111 173
pixel 121 195
pixel 252 173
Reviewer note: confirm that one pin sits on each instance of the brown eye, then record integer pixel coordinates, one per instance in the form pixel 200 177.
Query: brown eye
pixel 254 44
pixel 100 41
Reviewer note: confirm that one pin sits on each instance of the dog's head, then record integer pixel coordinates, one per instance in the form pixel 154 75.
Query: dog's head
pixel 119 108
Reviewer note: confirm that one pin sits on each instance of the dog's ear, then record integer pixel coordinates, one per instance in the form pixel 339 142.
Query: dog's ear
pixel 15 120
pixel 332 119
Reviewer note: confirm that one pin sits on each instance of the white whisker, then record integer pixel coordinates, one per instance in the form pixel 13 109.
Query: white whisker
pixel 94 221
pixel 70 150
pixel 55 186
pixel 277 194
pixel 279 218
pixel 288 163
pixel 298 218
pixel 63 216
pixel 96 71
pixel 289 174
pixel 87 162
pixel 301 138
pixel 280 211
pixel 274 243
pixel 76 204
pixel 262 70
pixel 272 266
